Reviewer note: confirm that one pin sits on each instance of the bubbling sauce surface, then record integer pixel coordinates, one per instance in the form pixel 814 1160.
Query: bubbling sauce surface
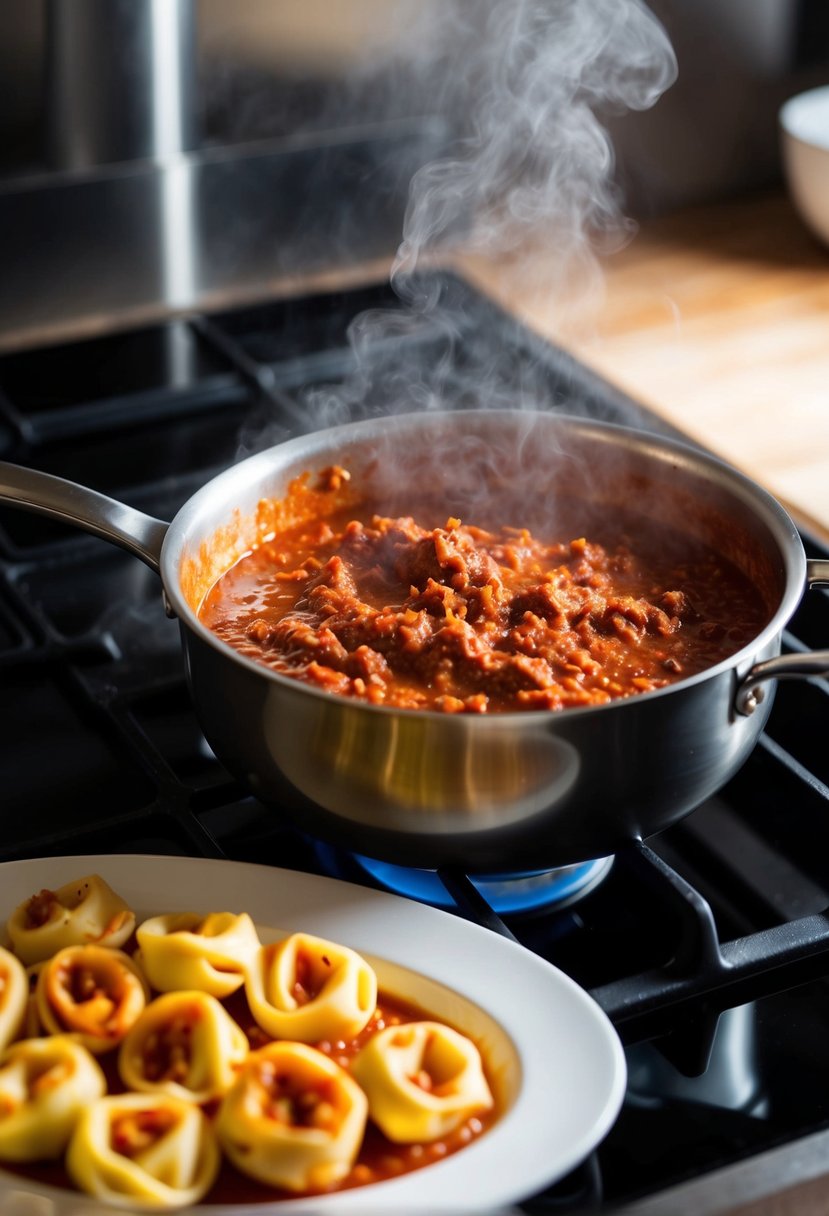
pixel 396 611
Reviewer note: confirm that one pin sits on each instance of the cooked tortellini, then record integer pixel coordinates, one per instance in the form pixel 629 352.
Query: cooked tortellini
pixel 223 1046
pixel 83 912
pixel 147 1149
pixel 92 992
pixel 293 1119
pixel 209 953
pixel 422 1080
pixel 185 1044
pixel 44 1086
pixel 309 989
pixel 14 996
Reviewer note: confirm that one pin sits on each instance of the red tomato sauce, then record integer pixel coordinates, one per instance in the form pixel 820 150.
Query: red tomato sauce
pixel 459 618
pixel 378 1159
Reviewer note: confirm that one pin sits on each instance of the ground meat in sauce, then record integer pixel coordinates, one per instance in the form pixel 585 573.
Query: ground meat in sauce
pixel 460 619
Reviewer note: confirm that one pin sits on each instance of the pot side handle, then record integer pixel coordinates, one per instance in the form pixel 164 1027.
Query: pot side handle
pixel 44 494
pixel 786 666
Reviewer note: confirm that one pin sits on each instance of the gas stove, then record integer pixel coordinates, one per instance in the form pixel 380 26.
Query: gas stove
pixel 708 946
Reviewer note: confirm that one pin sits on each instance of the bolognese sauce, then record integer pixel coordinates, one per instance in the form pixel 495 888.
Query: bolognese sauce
pixel 465 619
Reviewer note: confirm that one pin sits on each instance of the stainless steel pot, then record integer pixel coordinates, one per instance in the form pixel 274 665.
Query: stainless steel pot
pixel 505 791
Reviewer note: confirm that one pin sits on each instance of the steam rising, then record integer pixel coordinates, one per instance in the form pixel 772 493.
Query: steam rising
pixel 526 86
pixel 530 77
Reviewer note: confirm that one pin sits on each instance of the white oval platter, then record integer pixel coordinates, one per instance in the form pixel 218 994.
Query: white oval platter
pixel 554 1058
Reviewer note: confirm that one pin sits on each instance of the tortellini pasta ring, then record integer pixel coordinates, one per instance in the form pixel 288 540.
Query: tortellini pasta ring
pixel 147 1149
pixel 185 1044
pixel 84 912
pixel 308 989
pixel 188 951
pixel 14 996
pixel 293 1119
pixel 44 1086
pixel 92 992
pixel 422 1080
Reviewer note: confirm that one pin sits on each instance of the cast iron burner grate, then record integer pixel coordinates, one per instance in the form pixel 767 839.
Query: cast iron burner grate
pixel 715 933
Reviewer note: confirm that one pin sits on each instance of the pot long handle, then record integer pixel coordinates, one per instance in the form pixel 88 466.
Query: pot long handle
pixel 32 490
pixel 786 666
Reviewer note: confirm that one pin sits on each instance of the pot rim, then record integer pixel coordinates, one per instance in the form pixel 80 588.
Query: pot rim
pixel 763 504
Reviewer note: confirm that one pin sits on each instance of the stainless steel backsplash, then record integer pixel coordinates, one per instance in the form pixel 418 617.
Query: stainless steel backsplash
pixel 300 129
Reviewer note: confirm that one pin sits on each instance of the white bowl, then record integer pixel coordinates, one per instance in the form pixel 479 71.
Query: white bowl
pixel 804 124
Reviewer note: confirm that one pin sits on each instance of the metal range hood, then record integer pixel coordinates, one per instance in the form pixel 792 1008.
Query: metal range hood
pixel 134 213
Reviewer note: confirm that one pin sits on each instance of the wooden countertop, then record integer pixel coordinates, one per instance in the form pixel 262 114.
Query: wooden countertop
pixel 718 319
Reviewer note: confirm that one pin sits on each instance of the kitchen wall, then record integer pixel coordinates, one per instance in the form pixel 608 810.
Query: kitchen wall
pixel 306 105
pixel 714 133
pixel 270 67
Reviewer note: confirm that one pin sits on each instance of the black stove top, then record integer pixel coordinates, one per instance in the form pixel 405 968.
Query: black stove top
pixel 708 947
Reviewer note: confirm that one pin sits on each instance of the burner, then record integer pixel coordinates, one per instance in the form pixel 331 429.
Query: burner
pixel 535 891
